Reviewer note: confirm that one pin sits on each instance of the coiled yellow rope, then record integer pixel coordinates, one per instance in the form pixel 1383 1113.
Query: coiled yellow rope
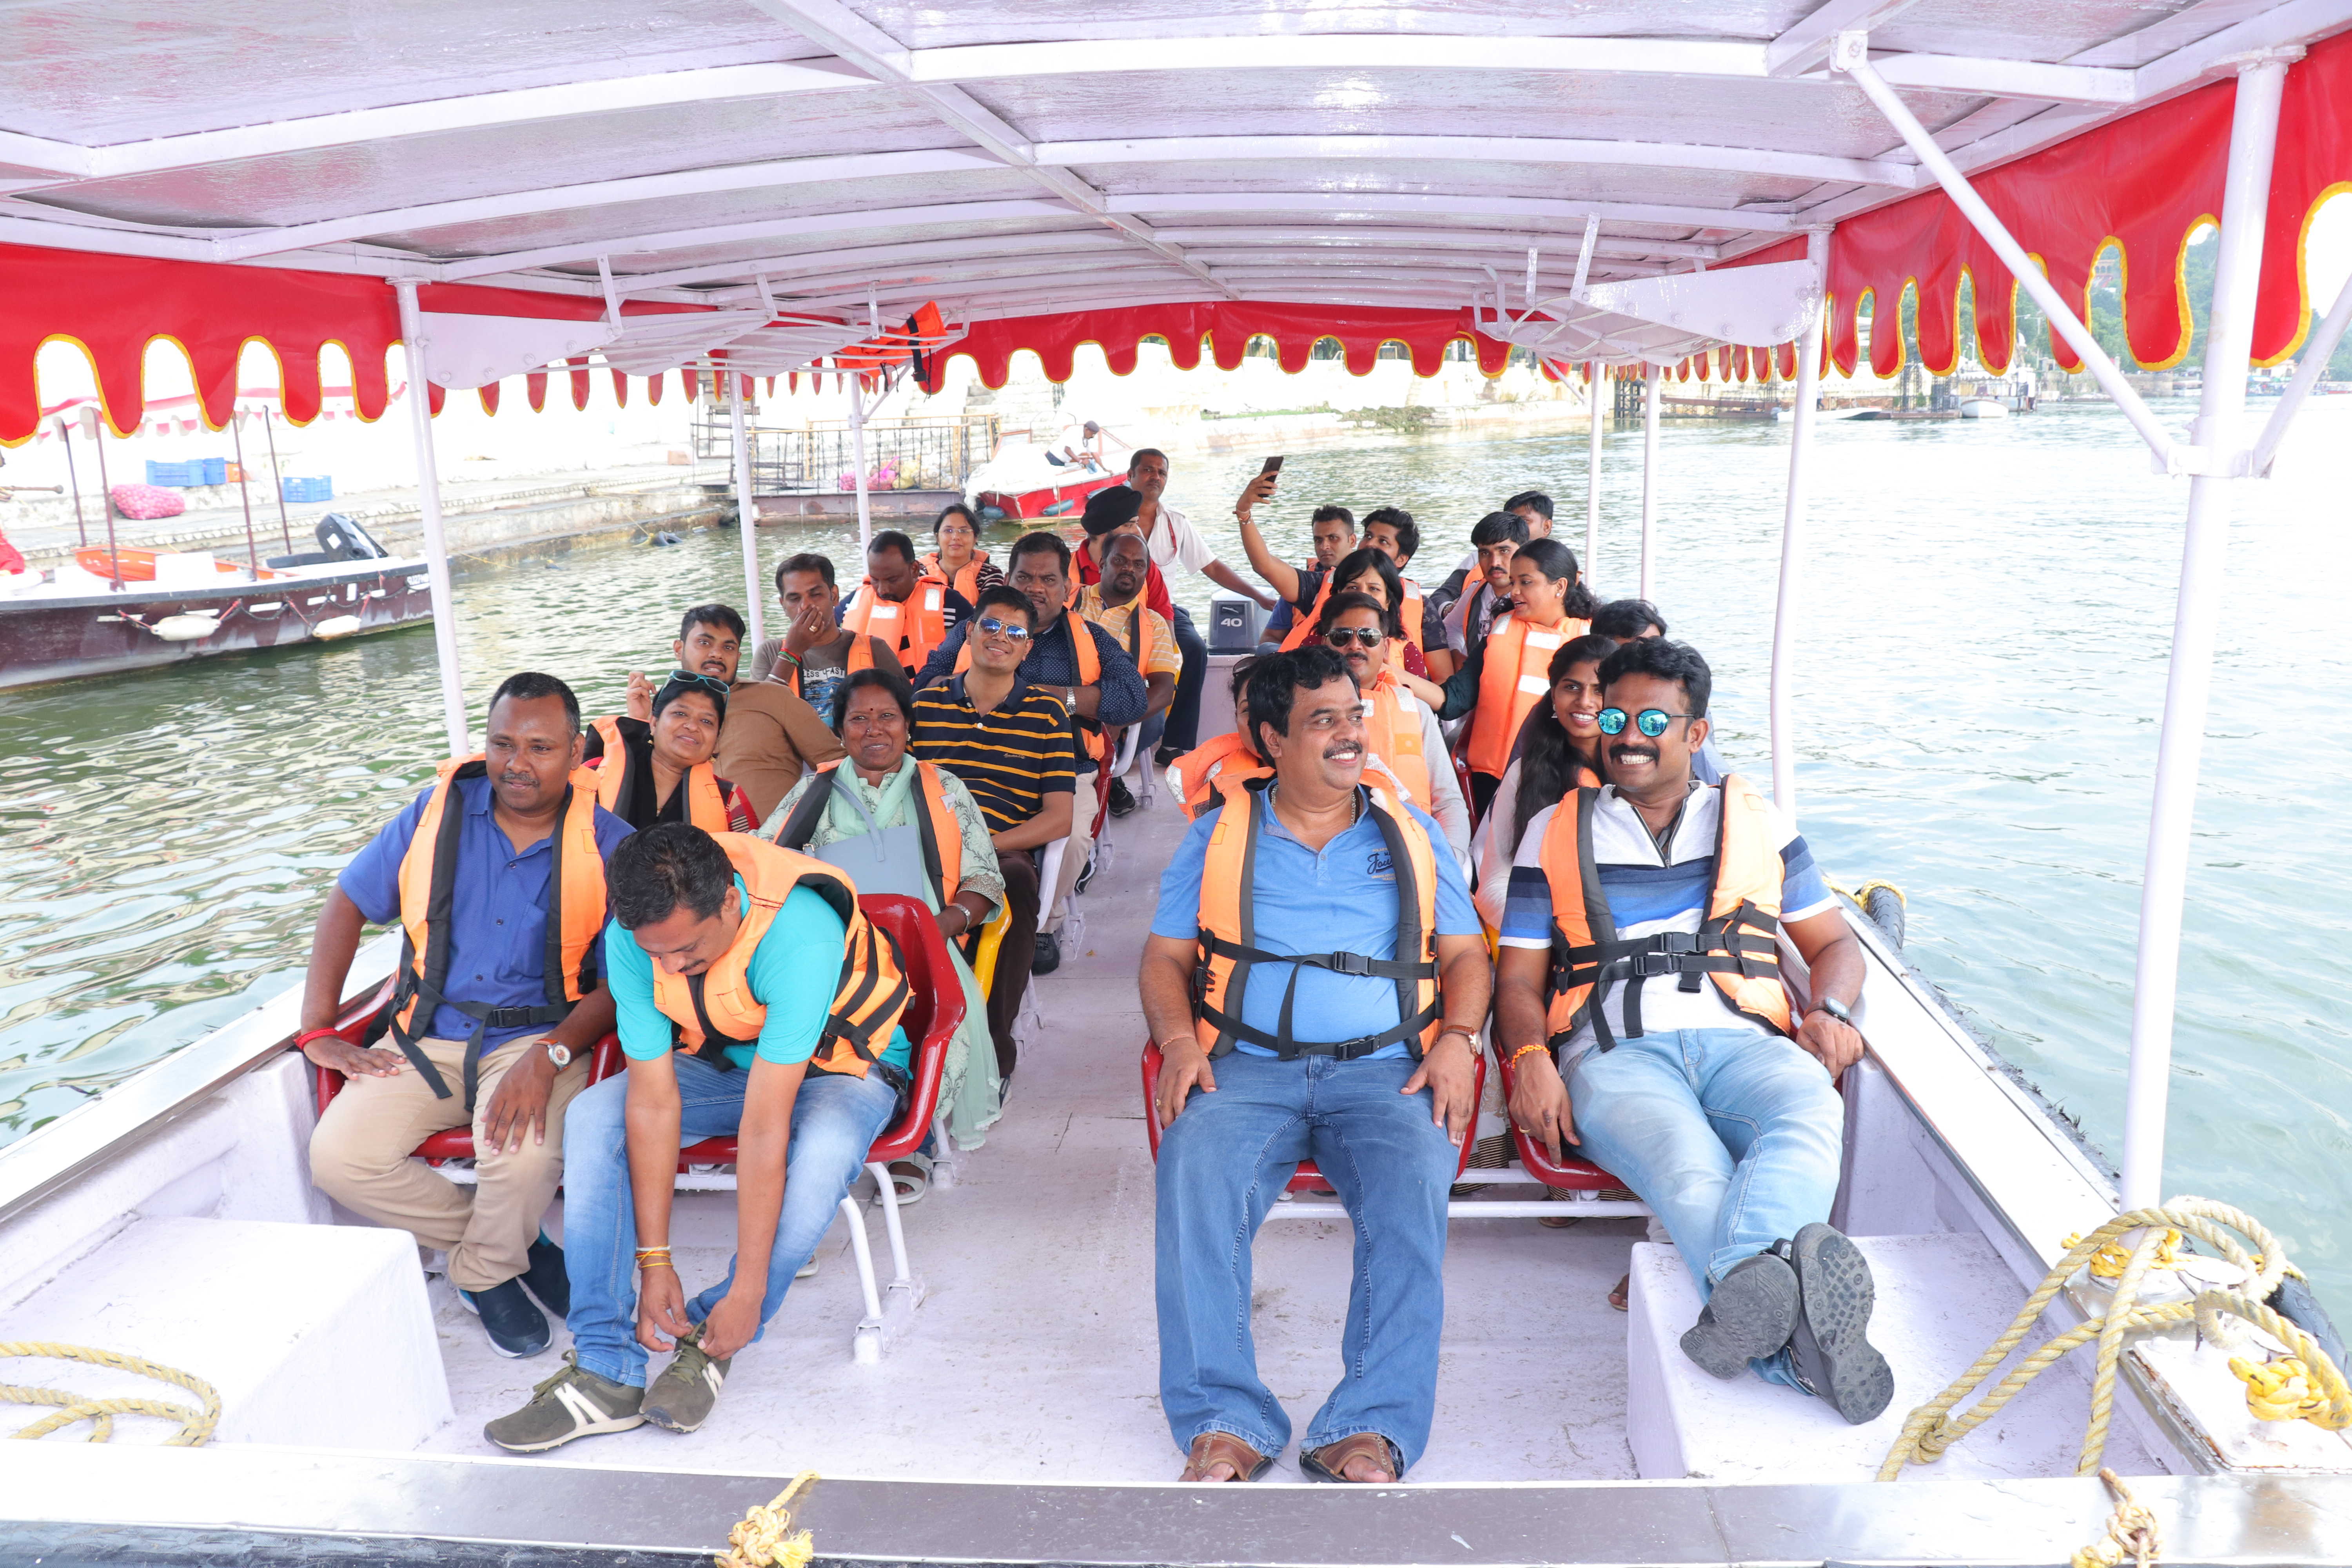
pixel 195 1425
pixel 759 1541
pixel 1932 1427
pixel 2130 1532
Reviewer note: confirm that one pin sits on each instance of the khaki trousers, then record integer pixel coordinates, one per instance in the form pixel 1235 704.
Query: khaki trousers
pixel 360 1157
pixel 1074 859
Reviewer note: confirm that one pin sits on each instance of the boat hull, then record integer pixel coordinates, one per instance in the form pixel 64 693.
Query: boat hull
pixel 47 637
pixel 1029 505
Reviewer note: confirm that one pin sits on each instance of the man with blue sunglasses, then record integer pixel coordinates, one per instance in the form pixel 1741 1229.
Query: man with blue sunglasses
pixel 1642 1010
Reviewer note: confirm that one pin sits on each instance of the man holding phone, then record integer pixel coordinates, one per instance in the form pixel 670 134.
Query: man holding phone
pixel 1175 542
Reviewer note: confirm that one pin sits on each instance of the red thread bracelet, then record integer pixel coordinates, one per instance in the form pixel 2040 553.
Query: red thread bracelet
pixel 307 1036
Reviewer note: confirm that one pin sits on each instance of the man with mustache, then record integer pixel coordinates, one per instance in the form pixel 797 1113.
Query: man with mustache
pixel 477 869
pixel 1360 1058
pixel 1640 1005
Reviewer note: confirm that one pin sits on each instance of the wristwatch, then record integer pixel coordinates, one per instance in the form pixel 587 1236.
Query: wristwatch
pixel 559 1054
pixel 1835 1009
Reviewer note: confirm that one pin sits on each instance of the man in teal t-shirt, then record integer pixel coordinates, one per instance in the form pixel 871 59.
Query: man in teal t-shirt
pixel 803 1117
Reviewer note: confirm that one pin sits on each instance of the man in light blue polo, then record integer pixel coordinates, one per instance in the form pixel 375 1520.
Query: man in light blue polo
pixel 1361 1059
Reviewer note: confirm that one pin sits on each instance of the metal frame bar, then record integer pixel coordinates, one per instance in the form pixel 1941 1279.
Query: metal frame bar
pixel 2253 135
pixel 1592 371
pixel 747 505
pixel 1792 546
pixel 1652 388
pixel 2312 366
pixel 1488 148
pixel 436 542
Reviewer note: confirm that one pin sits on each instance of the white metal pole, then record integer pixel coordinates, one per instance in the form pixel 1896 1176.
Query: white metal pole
pixel 2228 342
pixel 747 508
pixel 1652 381
pixel 857 445
pixel 428 498
pixel 1793 547
pixel 1851 56
pixel 2318 350
pixel 1592 475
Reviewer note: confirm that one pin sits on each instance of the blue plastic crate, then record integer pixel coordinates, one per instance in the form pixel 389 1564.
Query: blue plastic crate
pixel 294 489
pixel 216 470
pixel 175 476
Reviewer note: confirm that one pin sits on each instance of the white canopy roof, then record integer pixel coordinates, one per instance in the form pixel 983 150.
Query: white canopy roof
pixel 1042 154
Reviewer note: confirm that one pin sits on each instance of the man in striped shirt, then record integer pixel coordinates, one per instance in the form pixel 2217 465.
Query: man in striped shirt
pixel 1012 744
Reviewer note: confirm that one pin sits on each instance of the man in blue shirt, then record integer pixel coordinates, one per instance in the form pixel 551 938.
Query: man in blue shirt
pixel 503 1045
pixel 748 1007
pixel 1362 1059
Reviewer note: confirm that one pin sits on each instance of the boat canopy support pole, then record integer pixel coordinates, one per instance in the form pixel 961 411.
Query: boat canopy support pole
pixel 857 386
pixel 428 499
pixel 2221 412
pixel 2317 351
pixel 1594 370
pixel 1792 540
pixel 1653 381
pixel 1851 55
pixel 747 509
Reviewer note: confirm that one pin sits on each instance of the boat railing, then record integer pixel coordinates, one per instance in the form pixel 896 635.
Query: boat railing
pixel 907 454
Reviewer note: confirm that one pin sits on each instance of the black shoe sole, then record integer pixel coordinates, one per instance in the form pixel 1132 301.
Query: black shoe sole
pixel 1832 1353
pixel 1749 1315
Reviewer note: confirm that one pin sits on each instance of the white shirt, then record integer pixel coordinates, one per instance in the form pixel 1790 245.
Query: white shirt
pixel 1176 543
pixel 1621 839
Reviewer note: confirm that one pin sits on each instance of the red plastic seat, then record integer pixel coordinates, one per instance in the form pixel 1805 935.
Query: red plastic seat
pixel 1462 777
pixel 934 1014
pixel 1582 1175
pixel 1307 1178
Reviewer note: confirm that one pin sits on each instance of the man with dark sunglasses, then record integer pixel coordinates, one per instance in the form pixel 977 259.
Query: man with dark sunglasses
pixel 1642 1010
pixel 1399 727
pixel 1010 740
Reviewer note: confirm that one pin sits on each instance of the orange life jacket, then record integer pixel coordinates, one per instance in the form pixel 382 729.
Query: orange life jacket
pixel 921 619
pixel 705 804
pixel 1228 943
pixel 942 835
pixel 860 657
pixel 1517 675
pixel 1393 732
pixel 1735 945
pixel 1303 627
pixel 1089 659
pixel 965 581
pixel 715 1008
pixel 575 892
pixel 1201 772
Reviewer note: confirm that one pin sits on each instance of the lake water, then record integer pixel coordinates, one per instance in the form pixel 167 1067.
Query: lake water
pixel 1989 612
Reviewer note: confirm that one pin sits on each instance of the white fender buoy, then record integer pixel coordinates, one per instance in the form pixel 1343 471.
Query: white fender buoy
pixel 335 627
pixel 186 627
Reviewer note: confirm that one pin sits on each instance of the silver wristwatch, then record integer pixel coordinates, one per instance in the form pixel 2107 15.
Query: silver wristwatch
pixel 559 1054
pixel 1835 1009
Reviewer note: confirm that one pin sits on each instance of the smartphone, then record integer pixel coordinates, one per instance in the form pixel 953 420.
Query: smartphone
pixel 1272 466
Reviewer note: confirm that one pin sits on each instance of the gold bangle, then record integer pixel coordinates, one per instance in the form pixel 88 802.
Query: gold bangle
pixel 652 1257
pixel 1523 1050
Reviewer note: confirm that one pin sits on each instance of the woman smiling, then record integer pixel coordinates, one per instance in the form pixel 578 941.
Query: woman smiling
pixel 662 770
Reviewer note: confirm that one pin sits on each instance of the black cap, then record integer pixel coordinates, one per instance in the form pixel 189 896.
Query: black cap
pixel 1114 505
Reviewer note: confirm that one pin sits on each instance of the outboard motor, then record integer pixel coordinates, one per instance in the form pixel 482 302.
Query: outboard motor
pixel 344 540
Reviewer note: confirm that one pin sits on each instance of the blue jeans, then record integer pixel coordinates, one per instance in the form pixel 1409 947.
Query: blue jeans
pixel 1222 1163
pixel 836 1120
pixel 1732 1136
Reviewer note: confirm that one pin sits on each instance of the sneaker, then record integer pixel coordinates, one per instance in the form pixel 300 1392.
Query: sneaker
pixel 1048 956
pixel 1087 872
pixel 680 1400
pixel 545 1278
pixel 1749 1316
pixel 1122 799
pixel 574 1403
pixel 1828 1351
pixel 516 1328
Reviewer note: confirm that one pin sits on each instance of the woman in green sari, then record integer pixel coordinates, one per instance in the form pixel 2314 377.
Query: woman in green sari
pixel 899 825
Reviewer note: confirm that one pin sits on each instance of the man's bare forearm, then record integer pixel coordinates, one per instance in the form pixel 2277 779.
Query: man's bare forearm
pixel 1466 984
pixel 1222 576
pixel 1165 981
pixel 651 1121
pixel 334 941
pixel 587 1023
pixel 1518 997
pixel 762 1150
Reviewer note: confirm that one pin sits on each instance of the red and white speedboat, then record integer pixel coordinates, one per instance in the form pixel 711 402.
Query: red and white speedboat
pixel 1021 482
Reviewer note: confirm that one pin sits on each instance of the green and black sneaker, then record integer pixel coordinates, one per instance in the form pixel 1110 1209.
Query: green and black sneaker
pixel 574 1403
pixel 681 1397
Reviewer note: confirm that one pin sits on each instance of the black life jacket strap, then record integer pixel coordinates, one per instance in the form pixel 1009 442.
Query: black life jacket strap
pixel 1739 942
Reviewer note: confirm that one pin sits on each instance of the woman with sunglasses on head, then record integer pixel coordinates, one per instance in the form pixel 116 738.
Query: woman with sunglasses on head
pixel 1558 750
pixel 956 557
pixel 662 770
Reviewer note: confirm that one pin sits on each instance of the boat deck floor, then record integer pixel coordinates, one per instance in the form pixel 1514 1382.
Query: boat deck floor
pixel 1035 1355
